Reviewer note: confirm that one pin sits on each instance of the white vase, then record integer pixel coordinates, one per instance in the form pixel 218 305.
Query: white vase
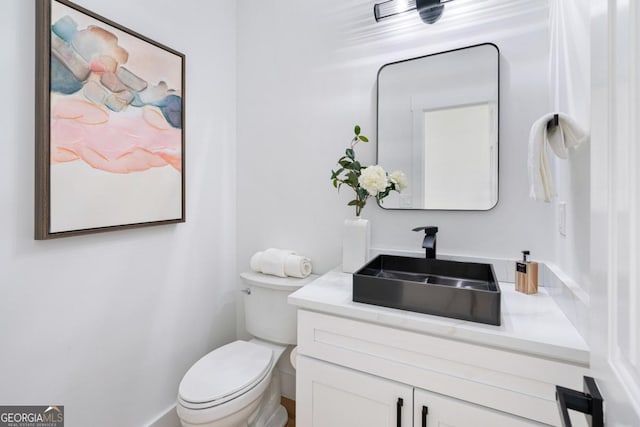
pixel 355 244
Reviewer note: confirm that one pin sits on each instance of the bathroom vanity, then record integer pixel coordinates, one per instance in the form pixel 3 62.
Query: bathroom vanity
pixel 366 365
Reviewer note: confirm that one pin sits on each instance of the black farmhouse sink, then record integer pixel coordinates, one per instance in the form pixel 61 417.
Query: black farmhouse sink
pixel 461 290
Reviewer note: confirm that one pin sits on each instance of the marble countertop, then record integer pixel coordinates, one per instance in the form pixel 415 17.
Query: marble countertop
pixel 531 324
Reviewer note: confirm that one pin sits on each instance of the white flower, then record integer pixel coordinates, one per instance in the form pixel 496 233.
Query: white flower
pixel 373 179
pixel 399 179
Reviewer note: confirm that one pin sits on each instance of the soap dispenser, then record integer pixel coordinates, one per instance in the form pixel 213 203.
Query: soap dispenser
pixel 526 275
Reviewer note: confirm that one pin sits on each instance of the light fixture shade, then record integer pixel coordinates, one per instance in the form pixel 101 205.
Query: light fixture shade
pixel 392 8
pixel 430 11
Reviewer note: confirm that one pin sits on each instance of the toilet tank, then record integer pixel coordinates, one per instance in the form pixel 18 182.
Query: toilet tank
pixel 266 311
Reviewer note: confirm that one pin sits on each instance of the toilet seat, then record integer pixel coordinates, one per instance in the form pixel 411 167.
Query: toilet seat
pixel 225 374
pixel 240 408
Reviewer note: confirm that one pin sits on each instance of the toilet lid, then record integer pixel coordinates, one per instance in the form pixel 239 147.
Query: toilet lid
pixel 225 371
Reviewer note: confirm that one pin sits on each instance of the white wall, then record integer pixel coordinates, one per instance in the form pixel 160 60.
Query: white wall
pixel 307 74
pixel 107 324
pixel 570 92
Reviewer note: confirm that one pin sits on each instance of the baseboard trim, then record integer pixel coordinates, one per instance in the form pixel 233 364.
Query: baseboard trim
pixel 168 418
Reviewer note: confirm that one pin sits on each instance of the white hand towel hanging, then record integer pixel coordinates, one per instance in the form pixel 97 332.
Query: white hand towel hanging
pixel 568 134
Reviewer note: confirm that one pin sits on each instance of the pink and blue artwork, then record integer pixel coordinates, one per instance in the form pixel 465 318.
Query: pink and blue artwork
pixel 115 117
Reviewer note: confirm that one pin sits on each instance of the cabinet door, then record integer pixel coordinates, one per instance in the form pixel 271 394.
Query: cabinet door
pixel 437 410
pixel 332 396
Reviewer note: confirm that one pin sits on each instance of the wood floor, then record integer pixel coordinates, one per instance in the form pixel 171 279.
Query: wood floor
pixel 290 406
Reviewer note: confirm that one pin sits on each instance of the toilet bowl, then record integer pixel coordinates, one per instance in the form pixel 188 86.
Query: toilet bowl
pixel 238 384
pixel 226 387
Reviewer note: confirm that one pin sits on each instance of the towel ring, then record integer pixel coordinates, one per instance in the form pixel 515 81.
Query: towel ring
pixel 553 123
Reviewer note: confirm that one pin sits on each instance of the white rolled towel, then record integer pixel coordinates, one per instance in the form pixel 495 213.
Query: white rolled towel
pixel 297 266
pixel 273 261
pixel 255 262
pixel 281 263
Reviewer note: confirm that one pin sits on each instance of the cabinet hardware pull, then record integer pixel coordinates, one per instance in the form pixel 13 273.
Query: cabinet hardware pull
pixel 425 411
pixel 590 402
pixel 399 411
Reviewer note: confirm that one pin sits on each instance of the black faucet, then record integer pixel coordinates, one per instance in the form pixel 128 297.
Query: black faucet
pixel 429 242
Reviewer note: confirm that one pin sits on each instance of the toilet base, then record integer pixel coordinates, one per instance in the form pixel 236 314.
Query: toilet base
pixel 237 419
pixel 278 418
pixel 271 412
pixel 258 414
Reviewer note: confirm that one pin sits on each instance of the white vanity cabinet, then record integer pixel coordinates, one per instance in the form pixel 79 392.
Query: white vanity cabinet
pixel 334 396
pixel 435 410
pixel 352 373
pixel 356 360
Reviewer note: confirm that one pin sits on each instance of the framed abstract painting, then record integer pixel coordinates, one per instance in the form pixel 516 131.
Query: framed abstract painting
pixel 109 125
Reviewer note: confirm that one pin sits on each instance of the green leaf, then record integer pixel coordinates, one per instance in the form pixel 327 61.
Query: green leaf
pixel 334 174
pixel 352 179
pixel 356 165
pixel 335 183
pixel 363 138
pixel 345 164
pixel 357 130
pixel 350 154
pixel 354 202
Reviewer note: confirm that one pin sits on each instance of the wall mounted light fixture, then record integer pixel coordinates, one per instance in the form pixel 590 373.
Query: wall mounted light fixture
pixel 430 11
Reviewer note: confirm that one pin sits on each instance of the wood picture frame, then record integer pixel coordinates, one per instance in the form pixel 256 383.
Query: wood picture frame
pixel 110 116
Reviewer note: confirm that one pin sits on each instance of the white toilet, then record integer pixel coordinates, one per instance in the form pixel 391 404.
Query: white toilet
pixel 236 385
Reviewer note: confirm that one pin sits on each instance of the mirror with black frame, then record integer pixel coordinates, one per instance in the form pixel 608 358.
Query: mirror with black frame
pixel 438 122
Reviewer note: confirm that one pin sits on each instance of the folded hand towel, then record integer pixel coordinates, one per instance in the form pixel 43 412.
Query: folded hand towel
pixel 297 266
pixel 256 261
pixel 560 138
pixel 281 262
pixel 273 261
